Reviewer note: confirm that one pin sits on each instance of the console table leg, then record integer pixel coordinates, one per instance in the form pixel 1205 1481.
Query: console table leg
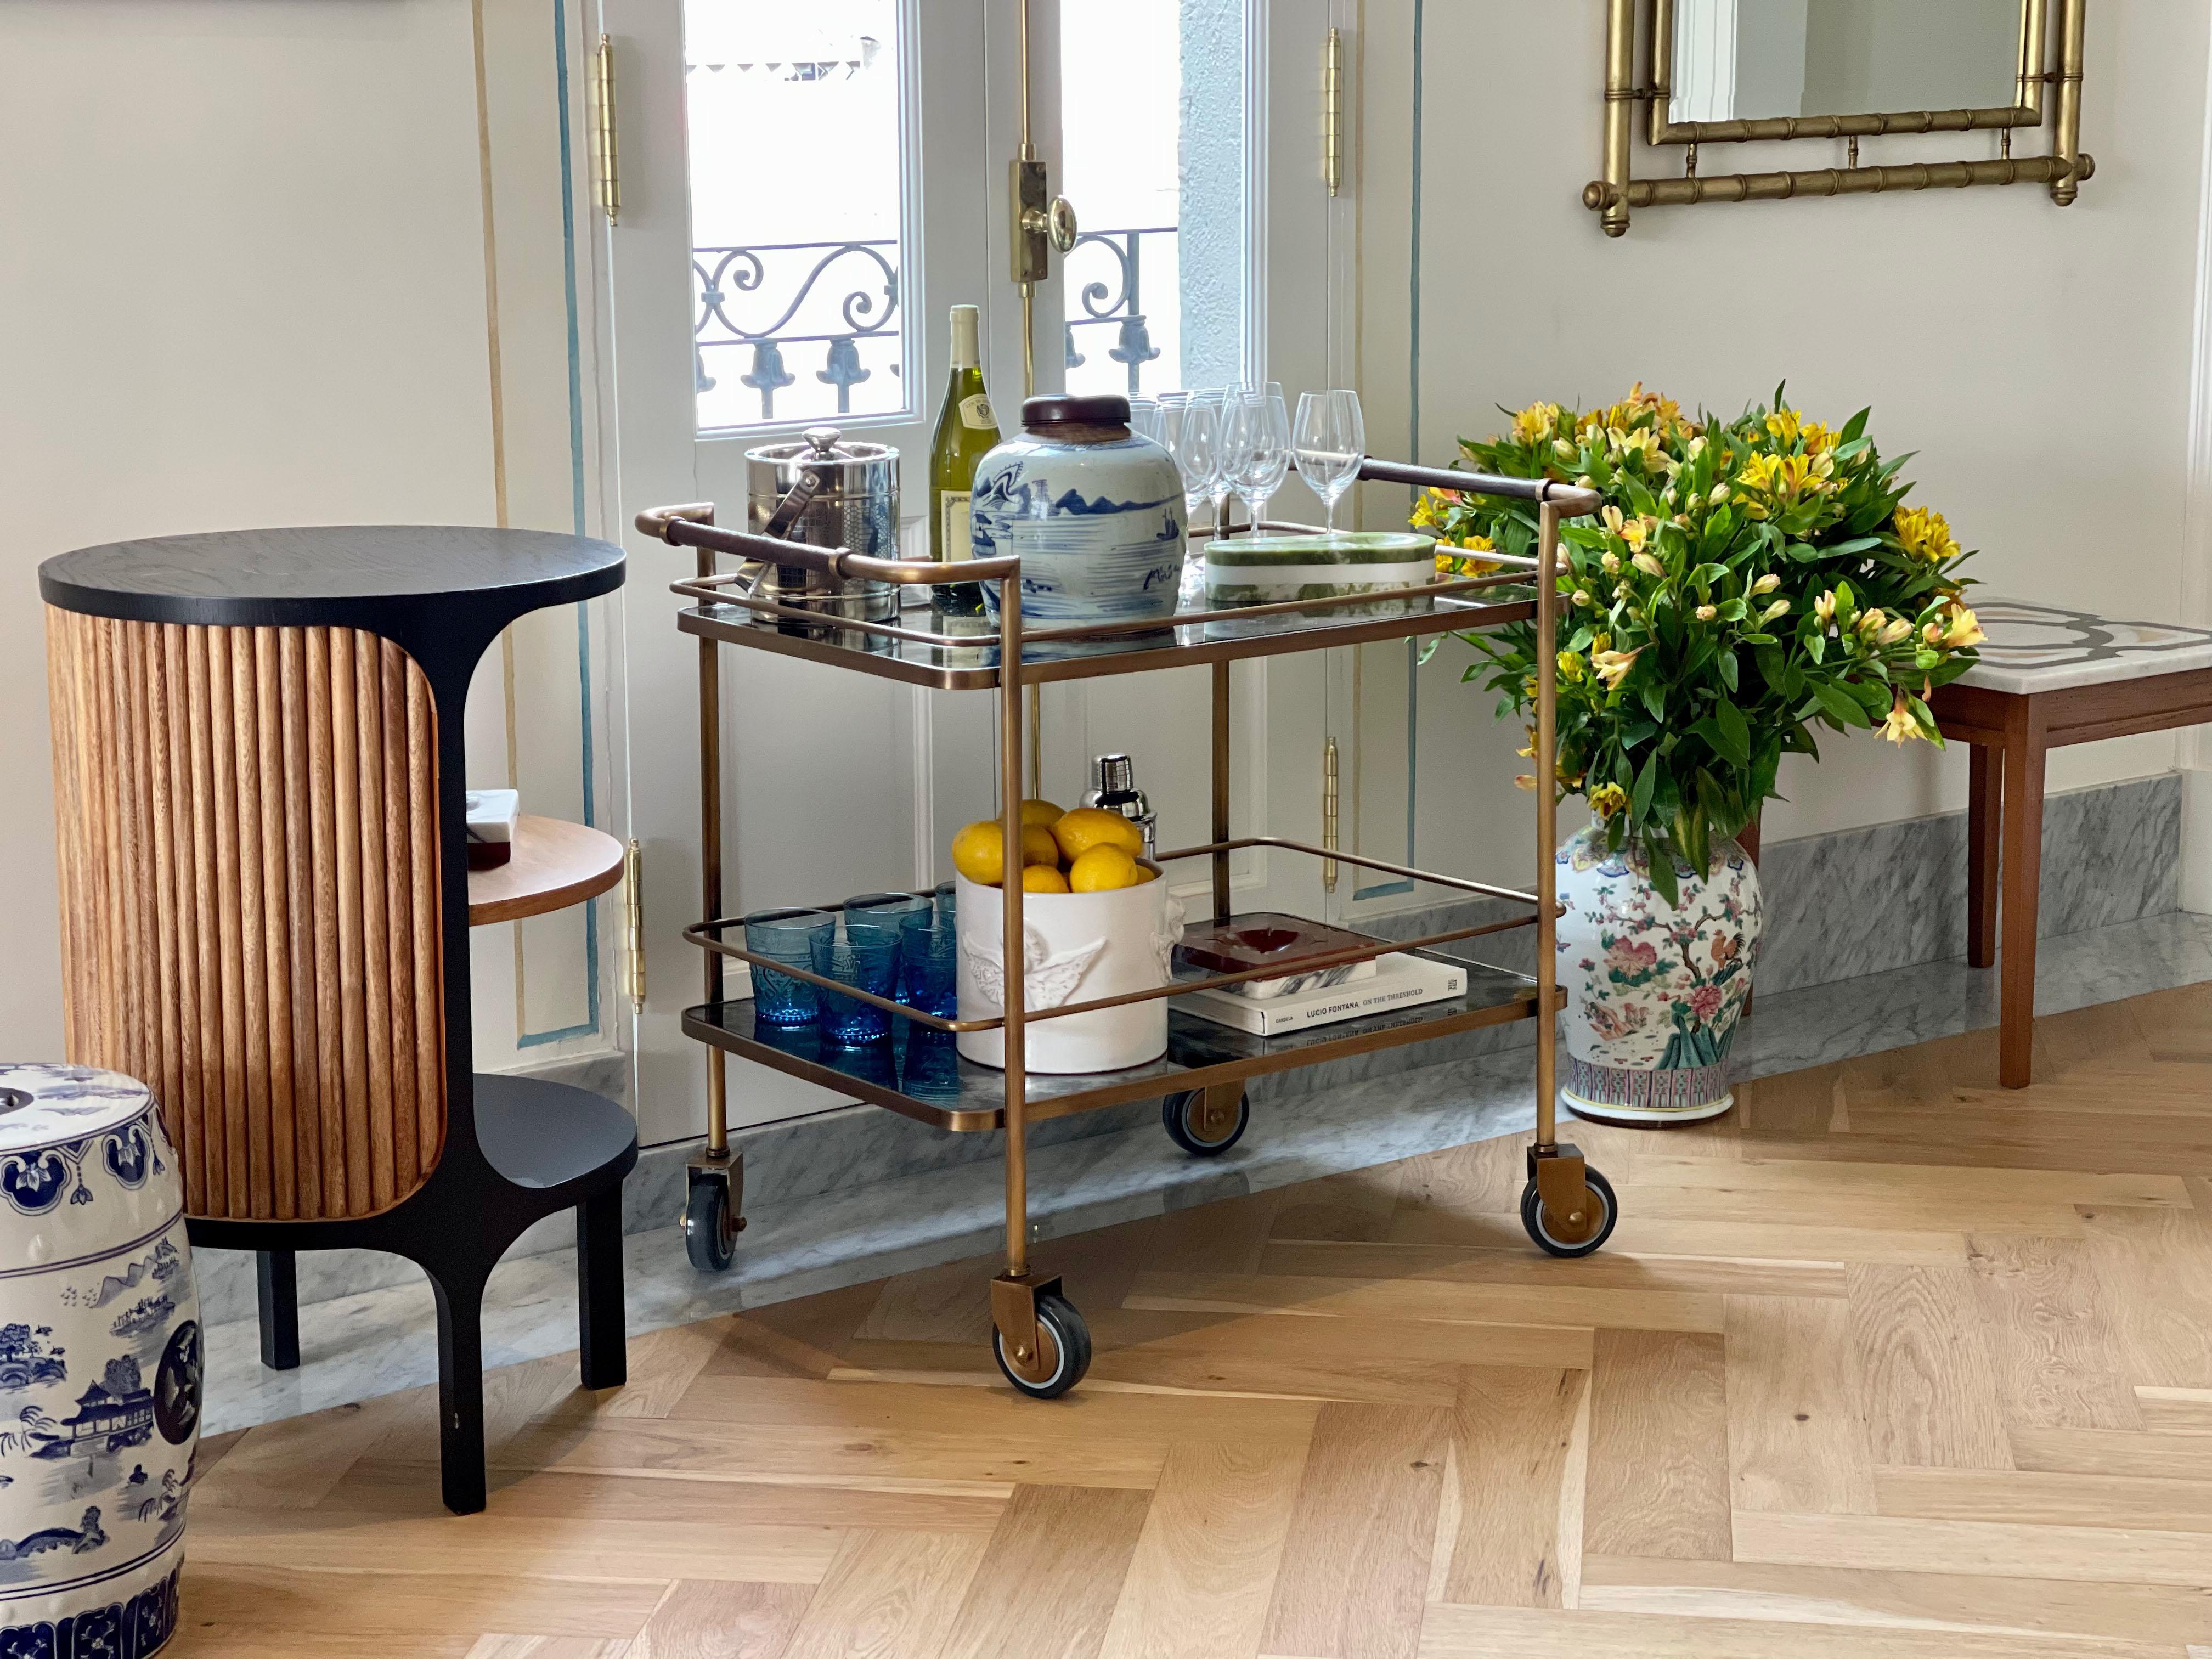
pixel 2023 869
pixel 1985 823
pixel 276 1280
pixel 605 1362
pixel 460 1386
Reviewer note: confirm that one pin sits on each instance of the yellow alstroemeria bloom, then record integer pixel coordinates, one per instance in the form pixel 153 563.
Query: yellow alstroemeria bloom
pixel 1872 621
pixel 1926 534
pixel 1900 728
pixel 1964 630
pixel 1571 666
pixel 1607 798
pixel 1564 450
pixel 1782 425
pixel 1644 443
pixel 1896 630
pixel 1818 440
pixel 1823 609
pixel 1612 666
pixel 1707 612
pixel 1525 780
pixel 1766 584
pixel 1779 608
pixel 1535 422
pixel 1649 565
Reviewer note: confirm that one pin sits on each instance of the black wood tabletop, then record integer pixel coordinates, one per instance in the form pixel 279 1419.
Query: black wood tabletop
pixel 391 579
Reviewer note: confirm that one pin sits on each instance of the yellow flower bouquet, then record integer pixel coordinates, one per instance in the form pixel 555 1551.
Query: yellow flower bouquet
pixel 1744 582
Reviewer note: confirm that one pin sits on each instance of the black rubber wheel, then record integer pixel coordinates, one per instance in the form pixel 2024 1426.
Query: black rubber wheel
pixel 1177 1111
pixel 1532 1217
pixel 710 1232
pixel 1071 1341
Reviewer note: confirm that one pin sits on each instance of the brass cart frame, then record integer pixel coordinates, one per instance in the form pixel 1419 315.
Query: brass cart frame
pixel 1042 1344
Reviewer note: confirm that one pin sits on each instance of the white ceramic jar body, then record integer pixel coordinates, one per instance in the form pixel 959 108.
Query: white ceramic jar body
pixel 99 1365
pixel 1098 526
pixel 1654 989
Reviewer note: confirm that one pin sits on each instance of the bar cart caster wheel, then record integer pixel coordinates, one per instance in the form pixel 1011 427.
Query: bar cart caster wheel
pixel 711 1226
pixel 1185 1117
pixel 1532 1217
pixel 1068 1355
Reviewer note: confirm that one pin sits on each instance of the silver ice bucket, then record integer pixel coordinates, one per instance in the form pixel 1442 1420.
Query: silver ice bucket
pixel 827 493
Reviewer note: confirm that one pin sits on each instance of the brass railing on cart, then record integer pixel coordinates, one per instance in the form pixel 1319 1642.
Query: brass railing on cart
pixel 1041 1344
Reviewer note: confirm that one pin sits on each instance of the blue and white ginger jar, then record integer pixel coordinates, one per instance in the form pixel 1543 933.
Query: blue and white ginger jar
pixel 100 1367
pixel 1094 512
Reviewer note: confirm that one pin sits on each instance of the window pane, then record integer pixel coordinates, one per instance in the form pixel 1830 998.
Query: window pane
pixel 1153 145
pixel 798 158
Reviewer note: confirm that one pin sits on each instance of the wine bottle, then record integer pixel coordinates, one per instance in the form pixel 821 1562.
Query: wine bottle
pixel 966 431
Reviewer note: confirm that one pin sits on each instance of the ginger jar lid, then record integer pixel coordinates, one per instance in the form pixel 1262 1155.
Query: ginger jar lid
pixel 49 1105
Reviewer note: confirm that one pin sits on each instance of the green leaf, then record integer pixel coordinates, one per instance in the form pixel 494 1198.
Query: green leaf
pixel 1725 663
pixel 1842 705
pixel 1737 731
pixel 1654 693
pixel 1662 873
pixel 1718 740
pixel 1639 798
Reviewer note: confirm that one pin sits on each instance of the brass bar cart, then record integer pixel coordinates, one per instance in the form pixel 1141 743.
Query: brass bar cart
pixel 1041 1341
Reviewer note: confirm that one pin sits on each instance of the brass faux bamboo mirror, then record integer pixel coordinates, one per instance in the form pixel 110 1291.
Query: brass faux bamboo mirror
pixel 1737 72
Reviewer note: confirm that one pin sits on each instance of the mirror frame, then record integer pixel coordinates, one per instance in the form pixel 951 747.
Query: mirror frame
pixel 1614 194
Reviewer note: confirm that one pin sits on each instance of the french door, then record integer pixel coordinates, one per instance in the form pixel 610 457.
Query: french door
pixel 805 190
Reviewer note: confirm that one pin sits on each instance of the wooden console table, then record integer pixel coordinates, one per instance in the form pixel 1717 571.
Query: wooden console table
pixel 2048 677
pixel 265 903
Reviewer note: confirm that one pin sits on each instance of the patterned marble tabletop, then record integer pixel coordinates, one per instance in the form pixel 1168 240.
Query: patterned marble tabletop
pixel 2046 648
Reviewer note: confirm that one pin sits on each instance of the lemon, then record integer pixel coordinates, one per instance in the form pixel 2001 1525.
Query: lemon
pixel 1038 846
pixel 1043 878
pixel 1042 813
pixel 1087 826
pixel 1101 869
pixel 979 852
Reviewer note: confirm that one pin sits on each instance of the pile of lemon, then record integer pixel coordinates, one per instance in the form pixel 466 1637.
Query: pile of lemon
pixel 1088 850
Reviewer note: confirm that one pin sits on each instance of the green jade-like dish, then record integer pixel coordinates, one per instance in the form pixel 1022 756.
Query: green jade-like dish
pixel 1280 569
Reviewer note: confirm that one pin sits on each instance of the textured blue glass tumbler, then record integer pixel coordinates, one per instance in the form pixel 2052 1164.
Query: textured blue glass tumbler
pixel 787 936
pixel 867 961
pixel 929 963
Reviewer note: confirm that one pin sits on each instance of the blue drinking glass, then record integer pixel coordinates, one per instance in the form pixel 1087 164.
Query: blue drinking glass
pixel 867 961
pixel 883 910
pixel 930 1068
pixel 929 963
pixel 787 936
pixel 948 899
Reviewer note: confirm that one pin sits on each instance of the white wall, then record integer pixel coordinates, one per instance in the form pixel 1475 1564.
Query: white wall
pixel 2038 359
pixel 244 284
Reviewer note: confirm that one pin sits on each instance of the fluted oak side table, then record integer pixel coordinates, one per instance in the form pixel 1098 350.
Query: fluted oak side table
pixel 265 903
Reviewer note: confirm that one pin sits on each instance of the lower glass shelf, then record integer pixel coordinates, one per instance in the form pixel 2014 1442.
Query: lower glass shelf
pixel 919 1073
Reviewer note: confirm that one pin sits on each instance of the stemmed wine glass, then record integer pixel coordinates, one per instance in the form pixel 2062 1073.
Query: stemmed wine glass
pixel 1331 441
pixel 1215 401
pixel 1258 447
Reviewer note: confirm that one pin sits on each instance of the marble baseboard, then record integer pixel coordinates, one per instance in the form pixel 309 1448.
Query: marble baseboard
pixel 378 1341
pixel 1839 907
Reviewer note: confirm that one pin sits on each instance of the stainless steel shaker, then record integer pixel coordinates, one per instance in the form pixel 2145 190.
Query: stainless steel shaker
pixel 828 493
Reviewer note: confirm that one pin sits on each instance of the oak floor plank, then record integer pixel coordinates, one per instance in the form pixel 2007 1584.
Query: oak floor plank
pixel 1225 1236
pixel 2155 1271
pixel 293 1464
pixel 1362 1528
pixel 2114 1451
pixel 2174 1411
pixel 1658 1482
pixel 1430 1299
pixel 1460 1633
pixel 802 1337
pixel 1996 1549
pixel 2057 1358
pixel 1784 1240
pixel 1206 1563
pixel 1355 1206
pixel 1050 1576
pixel 663 1365
pixel 406 1608
pixel 1796 1439
pixel 2162 1616
pixel 721 1620
pixel 500 1645
pixel 1519 1447
pixel 2033 1496
pixel 1927 1380
pixel 1610 1269
pixel 889 1595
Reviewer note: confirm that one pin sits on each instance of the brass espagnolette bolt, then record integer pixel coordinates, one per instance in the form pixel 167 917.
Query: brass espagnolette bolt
pixel 1332 111
pixel 606 166
pixel 634 924
pixel 1329 813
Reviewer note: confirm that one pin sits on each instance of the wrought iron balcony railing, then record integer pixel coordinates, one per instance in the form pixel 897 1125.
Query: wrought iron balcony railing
pixel 1107 284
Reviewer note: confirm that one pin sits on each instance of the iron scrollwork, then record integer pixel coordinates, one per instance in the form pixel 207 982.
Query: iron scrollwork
pixel 868 310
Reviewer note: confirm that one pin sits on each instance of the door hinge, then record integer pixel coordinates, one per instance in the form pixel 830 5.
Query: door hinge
pixel 607 160
pixel 633 949
pixel 1329 813
pixel 1332 110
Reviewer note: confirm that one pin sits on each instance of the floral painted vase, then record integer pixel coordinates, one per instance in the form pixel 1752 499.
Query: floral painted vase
pixel 1094 512
pixel 1653 990
pixel 100 1367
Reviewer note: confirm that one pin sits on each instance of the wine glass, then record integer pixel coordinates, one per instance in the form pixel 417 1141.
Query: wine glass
pixel 1261 446
pixel 1217 484
pixel 1331 441
pixel 1145 418
pixel 1191 429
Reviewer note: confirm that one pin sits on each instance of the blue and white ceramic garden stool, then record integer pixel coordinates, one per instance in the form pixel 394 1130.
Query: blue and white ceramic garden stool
pixel 100 1367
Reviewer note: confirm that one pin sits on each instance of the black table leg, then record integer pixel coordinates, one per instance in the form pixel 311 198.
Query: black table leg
pixel 600 1290
pixel 277 1277
pixel 460 1385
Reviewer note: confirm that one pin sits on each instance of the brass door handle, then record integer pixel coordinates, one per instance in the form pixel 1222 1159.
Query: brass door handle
pixel 1042 220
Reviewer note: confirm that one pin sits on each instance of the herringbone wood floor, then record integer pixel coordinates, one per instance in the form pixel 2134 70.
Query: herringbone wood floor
pixel 1889 1364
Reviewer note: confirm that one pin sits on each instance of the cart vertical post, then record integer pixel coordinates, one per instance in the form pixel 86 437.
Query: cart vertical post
pixel 1567 1211
pixel 1221 788
pixel 714 1182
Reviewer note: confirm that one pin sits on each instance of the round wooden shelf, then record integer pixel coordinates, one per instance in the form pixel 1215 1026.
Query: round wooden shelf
pixel 556 863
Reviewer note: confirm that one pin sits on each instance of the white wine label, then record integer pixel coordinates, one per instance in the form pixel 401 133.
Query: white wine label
pixel 975 413
pixel 952 508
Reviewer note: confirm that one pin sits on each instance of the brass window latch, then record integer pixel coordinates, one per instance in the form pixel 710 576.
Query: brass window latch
pixel 1332 111
pixel 1329 813
pixel 606 163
